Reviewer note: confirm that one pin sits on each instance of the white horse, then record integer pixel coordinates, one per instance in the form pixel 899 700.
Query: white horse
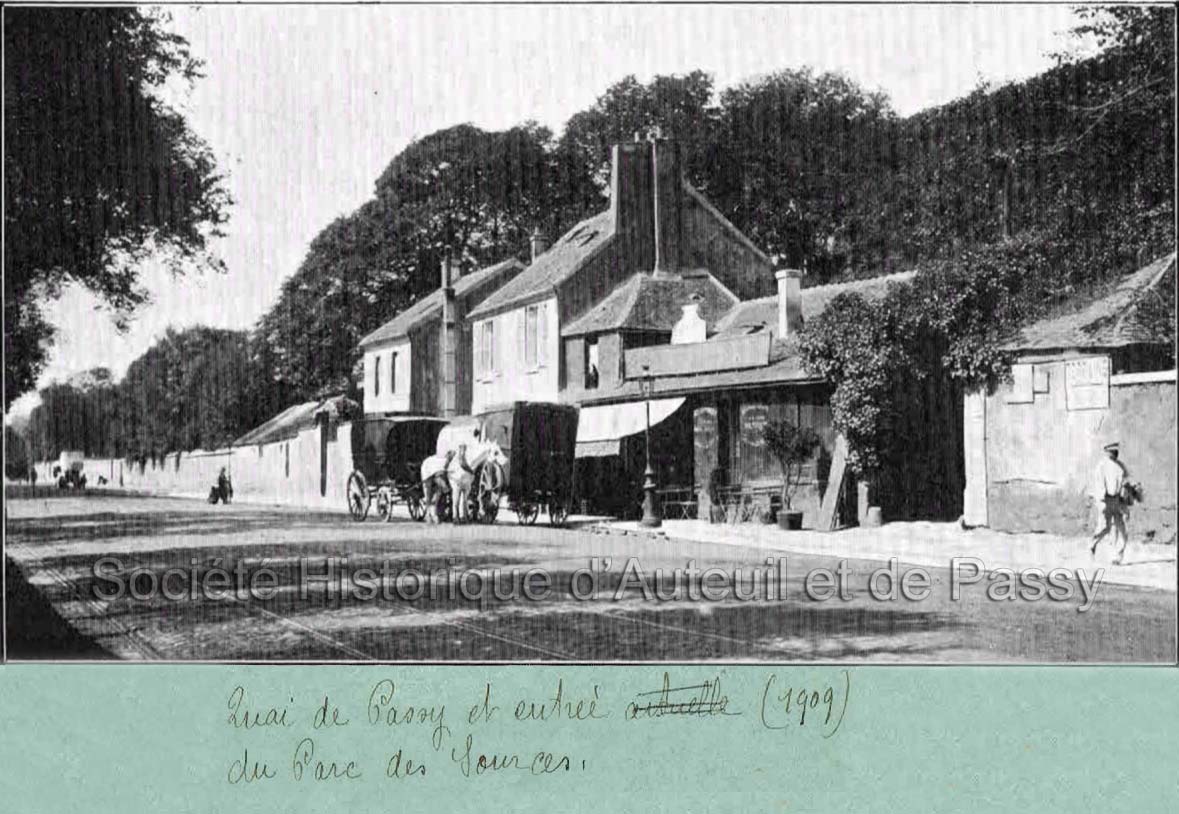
pixel 444 472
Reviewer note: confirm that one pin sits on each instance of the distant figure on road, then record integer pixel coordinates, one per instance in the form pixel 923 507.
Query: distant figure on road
pixel 223 490
pixel 1109 486
pixel 33 476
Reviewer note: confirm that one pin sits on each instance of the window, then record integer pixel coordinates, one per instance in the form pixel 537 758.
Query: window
pixel 376 375
pixel 591 363
pixel 485 349
pixel 393 372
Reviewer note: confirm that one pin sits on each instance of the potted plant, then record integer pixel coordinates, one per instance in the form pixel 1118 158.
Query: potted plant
pixel 791 447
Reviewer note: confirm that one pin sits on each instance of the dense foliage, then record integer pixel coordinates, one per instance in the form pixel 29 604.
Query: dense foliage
pixel 99 171
pixel 1085 194
pixel 194 389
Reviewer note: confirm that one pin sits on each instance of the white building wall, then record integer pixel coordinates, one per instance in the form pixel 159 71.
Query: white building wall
pixel 509 377
pixel 389 400
pixel 260 474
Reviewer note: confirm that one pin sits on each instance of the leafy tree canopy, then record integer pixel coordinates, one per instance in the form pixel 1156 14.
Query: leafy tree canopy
pixel 100 171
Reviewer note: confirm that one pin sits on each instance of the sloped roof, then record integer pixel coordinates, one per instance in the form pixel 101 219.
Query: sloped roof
pixel 763 312
pixel 1109 322
pixel 290 421
pixel 284 425
pixel 563 259
pixel 648 303
pixel 430 306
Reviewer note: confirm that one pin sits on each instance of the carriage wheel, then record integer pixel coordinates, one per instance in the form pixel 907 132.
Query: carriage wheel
pixel 416 505
pixel 358 497
pixel 489 493
pixel 527 513
pixel 558 513
pixel 384 503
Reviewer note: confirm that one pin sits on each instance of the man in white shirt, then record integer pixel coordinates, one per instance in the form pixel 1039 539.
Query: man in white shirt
pixel 1107 493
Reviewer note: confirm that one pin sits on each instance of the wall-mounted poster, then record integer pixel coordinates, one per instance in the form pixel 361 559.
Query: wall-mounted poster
pixel 1086 383
pixel 753 423
pixel 704 427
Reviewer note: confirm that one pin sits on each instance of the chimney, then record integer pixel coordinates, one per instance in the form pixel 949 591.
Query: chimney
pixel 449 390
pixel 789 301
pixel 540 243
pixel 631 205
pixel 691 326
pixel 668 200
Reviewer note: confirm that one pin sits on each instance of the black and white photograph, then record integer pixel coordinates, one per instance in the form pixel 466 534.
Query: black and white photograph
pixel 592 334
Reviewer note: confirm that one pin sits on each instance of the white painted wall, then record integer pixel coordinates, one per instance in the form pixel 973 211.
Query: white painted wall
pixel 509 377
pixel 389 399
pixel 260 474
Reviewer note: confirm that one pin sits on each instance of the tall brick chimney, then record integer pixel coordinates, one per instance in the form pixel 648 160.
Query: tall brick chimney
pixel 540 243
pixel 631 201
pixel 449 374
pixel 668 199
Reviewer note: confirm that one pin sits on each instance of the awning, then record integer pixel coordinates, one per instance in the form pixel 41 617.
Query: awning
pixel 600 428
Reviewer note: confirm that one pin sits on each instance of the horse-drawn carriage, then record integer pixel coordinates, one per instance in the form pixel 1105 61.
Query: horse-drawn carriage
pixel 69 470
pixel 521 454
pixel 387 453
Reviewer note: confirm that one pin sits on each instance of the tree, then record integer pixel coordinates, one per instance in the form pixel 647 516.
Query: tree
pixel 800 167
pixel 100 172
pixel 679 106
pixel 792 447
pixel 17 460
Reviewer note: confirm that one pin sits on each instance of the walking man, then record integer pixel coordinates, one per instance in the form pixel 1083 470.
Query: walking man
pixel 1111 507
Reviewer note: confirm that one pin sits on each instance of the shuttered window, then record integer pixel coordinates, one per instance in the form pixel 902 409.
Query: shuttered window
pixel 531 313
pixel 376 375
pixel 393 372
pixel 486 357
pixel 542 335
pixel 492 350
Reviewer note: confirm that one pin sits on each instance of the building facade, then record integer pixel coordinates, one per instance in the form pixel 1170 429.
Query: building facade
pixel 421 361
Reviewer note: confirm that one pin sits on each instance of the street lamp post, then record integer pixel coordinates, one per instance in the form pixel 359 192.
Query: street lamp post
pixel 651 514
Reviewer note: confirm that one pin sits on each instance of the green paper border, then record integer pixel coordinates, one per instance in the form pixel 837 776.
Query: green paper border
pixel 104 738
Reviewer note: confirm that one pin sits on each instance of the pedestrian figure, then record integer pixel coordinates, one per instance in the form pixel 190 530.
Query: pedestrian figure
pixel 1111 504
pixel 33 476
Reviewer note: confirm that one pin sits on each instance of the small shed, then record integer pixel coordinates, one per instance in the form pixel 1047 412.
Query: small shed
pixel 1078 381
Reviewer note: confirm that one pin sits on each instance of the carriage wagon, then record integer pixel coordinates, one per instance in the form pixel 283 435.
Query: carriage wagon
pixel 538 440
pixel 387 453
pixel 69 470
